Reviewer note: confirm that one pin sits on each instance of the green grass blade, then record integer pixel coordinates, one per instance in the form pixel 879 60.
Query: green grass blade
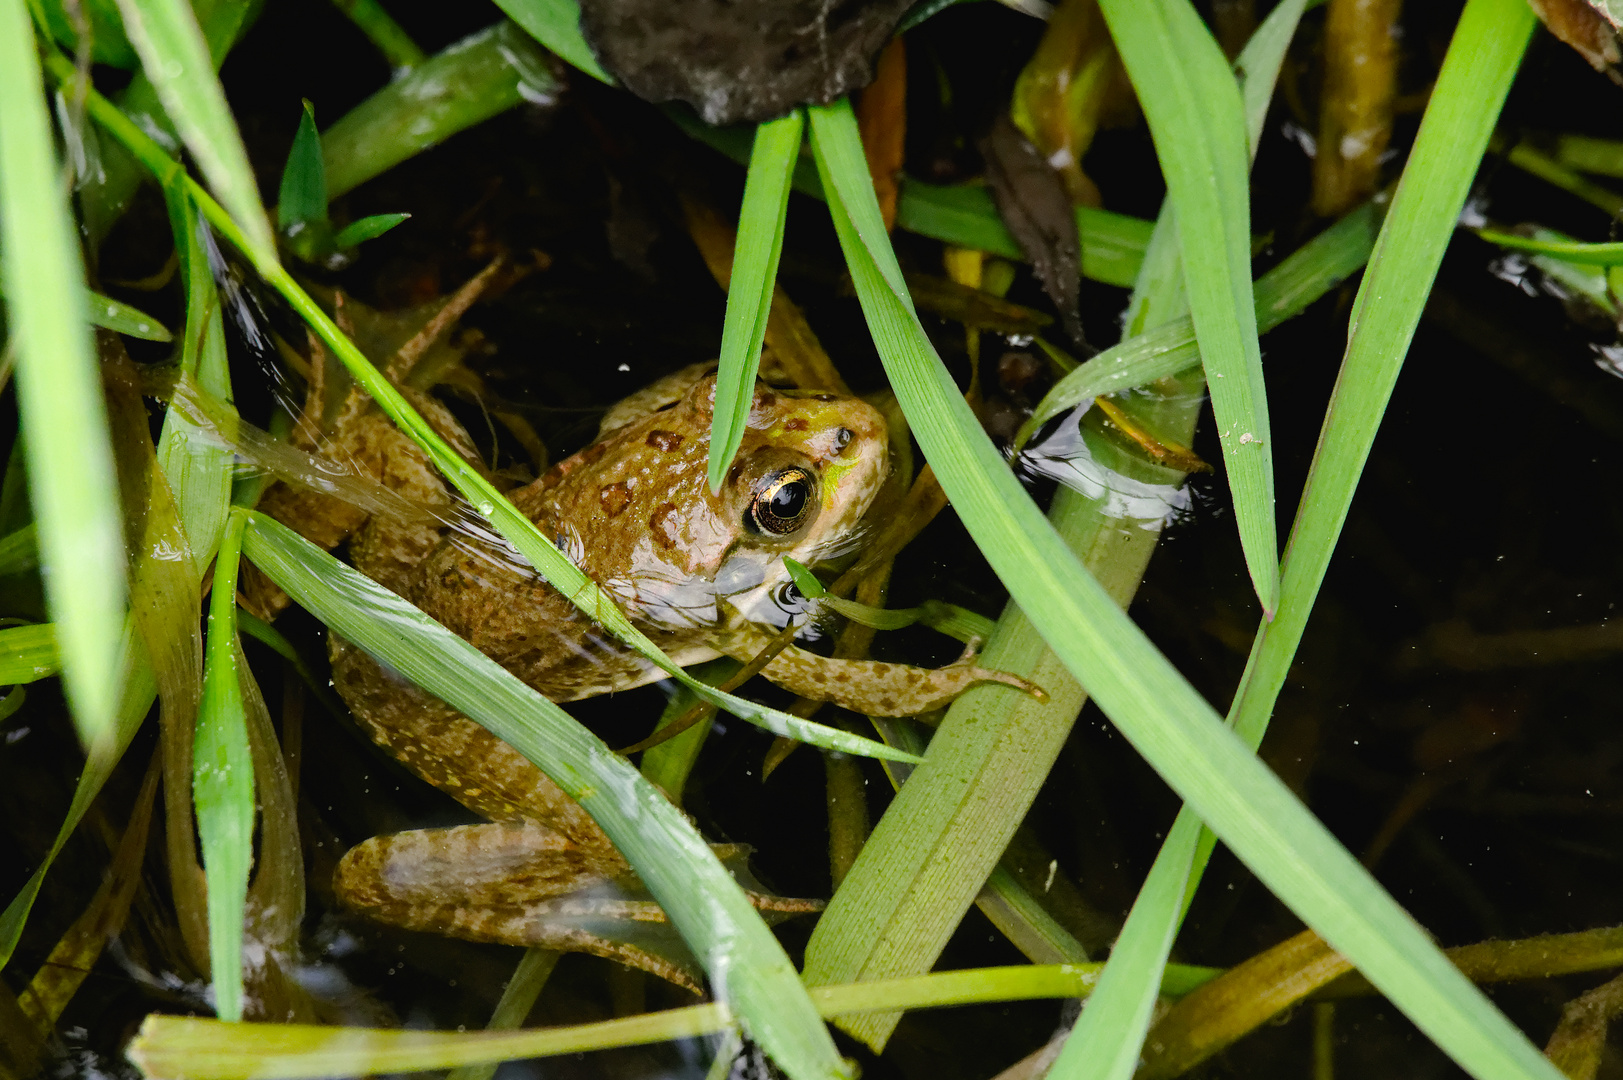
pixel 556 24
pixel 486 73
pixel 27 653
pixel 302 198
pixel 748 968
pixel 59 397
pixel 223 780
pixel 386 35
pixel 1197 119
pixel 749 293
pixel 176 58
pixel 208 1050
pixel 1153 706
pixel 1107 1041
pixel 1170 347
pixel 1573 251
pixel 367 228
pixel 1476 75
pixel 110 314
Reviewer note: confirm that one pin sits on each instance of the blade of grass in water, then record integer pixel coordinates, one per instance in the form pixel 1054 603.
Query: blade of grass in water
pixel 176 59
pixel 223 781
pixel 1107 1041
pixel 1569 250
pixel 1170 347
pixel 1153 706
pixel 208 1050
pixel 749 293
pixel 748 969
pixel 110 314
pixel 59 399
pixel 1196 117
pixel 27 653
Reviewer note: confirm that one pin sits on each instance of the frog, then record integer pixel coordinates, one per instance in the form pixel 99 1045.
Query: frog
pixel 696 569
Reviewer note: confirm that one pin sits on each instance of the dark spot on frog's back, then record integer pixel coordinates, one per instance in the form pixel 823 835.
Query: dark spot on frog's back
pixel 614 498
pixel 661 527
pixel 797 424
pixel 664 440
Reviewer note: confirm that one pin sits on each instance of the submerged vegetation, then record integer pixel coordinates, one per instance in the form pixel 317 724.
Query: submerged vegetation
pixel 502 239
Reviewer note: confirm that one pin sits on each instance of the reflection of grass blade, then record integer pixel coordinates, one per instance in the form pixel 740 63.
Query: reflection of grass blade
pixel 748 968
pixel 1153 706
pixel 1195 115
pixel 223 781
pixel 749 293
pixel 176 59
pixel 70 464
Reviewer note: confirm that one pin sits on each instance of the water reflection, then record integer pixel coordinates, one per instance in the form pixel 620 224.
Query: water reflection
pixel 1062 453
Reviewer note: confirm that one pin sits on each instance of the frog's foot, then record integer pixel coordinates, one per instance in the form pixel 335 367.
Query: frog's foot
pixel 520 883
pixel 868 686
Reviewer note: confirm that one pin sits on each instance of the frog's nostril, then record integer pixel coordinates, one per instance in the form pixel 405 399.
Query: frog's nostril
pixel 842 438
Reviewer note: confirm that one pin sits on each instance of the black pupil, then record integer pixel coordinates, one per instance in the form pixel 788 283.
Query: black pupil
pixel 789 500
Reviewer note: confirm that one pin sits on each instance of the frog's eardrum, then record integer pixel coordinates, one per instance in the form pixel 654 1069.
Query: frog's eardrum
pixel 740 60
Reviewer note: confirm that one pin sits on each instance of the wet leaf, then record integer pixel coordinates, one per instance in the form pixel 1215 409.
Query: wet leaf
pixel 736 60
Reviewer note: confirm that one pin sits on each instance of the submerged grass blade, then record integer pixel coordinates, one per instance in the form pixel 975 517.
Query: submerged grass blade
pixel 59 399
pixel 747 967
pixel 208 1050
pixel 27 653
pixel 223 780
pixel 176 59
pixel 1153 706
pixel 749 293
pixel 121 318
pixel 1196 117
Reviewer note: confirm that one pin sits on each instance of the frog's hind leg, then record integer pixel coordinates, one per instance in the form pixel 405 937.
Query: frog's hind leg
pixel 867 686
pixel 515 883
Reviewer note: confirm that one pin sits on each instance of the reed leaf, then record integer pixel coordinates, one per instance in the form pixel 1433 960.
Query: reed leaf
pixel 749 292
pixel 59 399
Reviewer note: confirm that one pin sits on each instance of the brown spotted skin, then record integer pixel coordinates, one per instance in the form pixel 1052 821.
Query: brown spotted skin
pixel 635 511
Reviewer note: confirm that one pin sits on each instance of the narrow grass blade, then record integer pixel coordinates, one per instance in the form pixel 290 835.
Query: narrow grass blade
pixel 208 1050
pixel 302 198
pixel 1170 347
pixel 176 58
pixel 110 314
pixel 1197 119
pixel 367 228
pixel 223 780
pixel 748 968
pixel 486 73
pixel 59 399
pixel 1476 75
pixel 1567 250
pixel 386 35
pixel 556 24
pixel 1153 706
pixel 749 293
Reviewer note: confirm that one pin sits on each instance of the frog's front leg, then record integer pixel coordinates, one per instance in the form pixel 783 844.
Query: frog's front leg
pixel 869 687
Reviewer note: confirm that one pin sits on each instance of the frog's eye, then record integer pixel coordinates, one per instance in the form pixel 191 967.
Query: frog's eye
pixel 842 438
pixel 782 503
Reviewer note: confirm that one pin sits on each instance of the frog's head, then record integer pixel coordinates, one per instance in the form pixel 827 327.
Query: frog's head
pixel 808 468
